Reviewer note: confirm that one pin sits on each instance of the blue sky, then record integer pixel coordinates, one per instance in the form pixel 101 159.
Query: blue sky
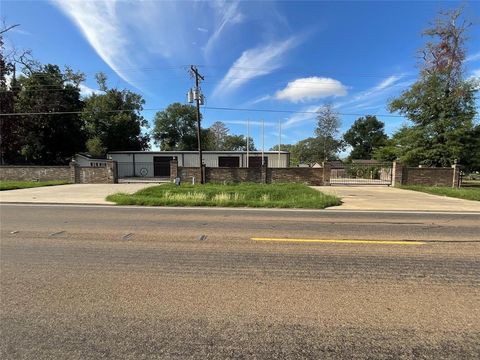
pixel 286 56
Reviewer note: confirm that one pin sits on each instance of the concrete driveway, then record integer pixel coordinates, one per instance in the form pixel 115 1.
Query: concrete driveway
pixel 384 198
pixel 69 194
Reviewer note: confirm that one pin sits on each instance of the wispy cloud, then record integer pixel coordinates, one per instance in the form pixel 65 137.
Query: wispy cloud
pixel 311 88
pixel 253 63
pixel 100 25
pixel 473 57
pixel 226 14
pixel 304 115
pixel 251 122
pixel 376 93
pixel 202 29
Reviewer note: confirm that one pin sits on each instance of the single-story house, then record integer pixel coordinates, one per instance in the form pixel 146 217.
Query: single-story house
pixel 157 163
pixel 86 160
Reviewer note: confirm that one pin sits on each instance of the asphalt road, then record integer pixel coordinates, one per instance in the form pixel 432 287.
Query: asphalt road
pixel 141 283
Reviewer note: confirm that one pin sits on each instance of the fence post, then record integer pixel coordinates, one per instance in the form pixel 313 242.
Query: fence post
pixel 397 173
pixel 327 170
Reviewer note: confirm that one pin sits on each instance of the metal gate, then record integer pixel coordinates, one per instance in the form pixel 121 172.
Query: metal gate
pixel 361 174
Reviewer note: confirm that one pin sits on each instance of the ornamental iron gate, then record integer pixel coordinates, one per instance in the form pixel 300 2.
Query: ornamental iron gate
pixel 361 174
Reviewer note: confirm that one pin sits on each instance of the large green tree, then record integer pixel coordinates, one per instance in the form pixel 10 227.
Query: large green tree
pixel 49 137
pixel 441 104
pixel 365 136
pixel 175 128
pixel 113 120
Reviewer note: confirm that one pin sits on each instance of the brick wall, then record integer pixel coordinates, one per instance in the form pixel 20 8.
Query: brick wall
pixel 96 175
pixel 428 176
pixel 233 175
pixel 35 173
pixel 186 174
pixel 309 176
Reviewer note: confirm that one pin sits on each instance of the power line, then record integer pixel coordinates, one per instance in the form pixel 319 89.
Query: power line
pixel 205 107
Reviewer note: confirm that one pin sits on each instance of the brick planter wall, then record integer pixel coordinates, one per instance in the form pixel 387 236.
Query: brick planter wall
pixel 233 175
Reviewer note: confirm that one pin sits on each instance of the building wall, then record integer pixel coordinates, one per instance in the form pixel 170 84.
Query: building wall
pixel 35 173
pixel 188 159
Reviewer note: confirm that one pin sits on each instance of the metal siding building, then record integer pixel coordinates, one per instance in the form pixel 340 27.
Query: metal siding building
pixel 157 163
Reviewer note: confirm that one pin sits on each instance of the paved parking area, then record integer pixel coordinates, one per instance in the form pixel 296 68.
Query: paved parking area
pixel 384 198
pixel 69 194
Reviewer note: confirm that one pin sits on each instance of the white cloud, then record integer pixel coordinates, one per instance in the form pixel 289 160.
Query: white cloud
pixel 253 63
pixel 202 29
pixel 87 91
pixel 252 123
pixel 311 88
pixel 473 57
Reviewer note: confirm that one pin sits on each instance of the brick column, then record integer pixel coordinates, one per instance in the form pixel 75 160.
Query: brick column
pixel 263 169
pixel 327 169
pixel 112 172
pixel 397 173
pixel 74 172
pixel 456 175
pixel 173 169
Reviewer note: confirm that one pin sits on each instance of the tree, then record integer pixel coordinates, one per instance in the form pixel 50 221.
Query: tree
pixel 238 143
pixel 441 104
pixel 113 120
pixel 219 133
pixel 50 138
pixel 11 137
pixel 365 136
pixel 328 124
pixel 176 128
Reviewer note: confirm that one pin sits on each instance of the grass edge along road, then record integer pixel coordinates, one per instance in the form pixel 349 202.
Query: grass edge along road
pixel 232 195
pixel 13 184
pixel 467 193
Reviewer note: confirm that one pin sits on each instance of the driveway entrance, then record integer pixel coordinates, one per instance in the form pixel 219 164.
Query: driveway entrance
pixel 69 194
pixel 361 174
pixel 383 198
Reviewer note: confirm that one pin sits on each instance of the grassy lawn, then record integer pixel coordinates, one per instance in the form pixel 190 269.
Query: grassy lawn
pixel 467 193
pixel 11 185
pixel 239 195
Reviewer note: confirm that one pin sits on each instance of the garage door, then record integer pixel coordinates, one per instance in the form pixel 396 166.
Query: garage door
pixel 161 166
pixel 228 161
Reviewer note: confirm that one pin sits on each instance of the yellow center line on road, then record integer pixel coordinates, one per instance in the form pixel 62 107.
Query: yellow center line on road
pixel 341 241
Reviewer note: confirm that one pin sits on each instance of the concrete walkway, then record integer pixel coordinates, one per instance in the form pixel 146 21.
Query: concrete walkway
pixel 384 198
pixel 69 194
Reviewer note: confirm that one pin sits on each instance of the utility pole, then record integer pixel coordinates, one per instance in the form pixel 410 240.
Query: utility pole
pixel 279 139
pixel 248 143
pixel 198 97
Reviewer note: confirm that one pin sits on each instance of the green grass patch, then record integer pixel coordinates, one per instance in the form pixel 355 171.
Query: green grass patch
pixel 467 193
pixel 11 185
pixel 236 195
